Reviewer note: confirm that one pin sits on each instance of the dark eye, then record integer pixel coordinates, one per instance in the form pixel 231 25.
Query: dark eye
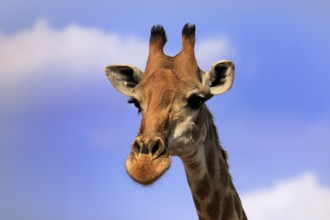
pixel 136 104
pixel 195 101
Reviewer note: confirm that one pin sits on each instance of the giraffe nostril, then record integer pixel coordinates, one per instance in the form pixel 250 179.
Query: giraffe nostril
pixel 155 148
pixel 136 148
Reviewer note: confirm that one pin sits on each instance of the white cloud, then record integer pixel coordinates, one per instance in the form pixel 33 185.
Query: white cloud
pixel 300 198
pixel 73 50
pixel 211 50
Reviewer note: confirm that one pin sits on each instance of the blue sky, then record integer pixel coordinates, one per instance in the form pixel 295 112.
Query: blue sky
pixel 65 132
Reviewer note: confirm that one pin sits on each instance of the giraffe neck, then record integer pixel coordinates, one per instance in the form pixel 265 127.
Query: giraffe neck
pixel 213 192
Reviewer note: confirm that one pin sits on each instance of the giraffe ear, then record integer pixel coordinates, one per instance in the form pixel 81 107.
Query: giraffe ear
pixel 220 77
pixel 124 77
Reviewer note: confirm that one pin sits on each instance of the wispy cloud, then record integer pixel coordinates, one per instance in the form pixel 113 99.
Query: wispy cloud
pixel 299 198
pixel 74 49
pixel 213 49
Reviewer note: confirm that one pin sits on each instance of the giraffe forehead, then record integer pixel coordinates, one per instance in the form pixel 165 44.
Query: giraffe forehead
pixel 164 84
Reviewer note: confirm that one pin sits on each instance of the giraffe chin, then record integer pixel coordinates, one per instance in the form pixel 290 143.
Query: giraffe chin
pixel 145 170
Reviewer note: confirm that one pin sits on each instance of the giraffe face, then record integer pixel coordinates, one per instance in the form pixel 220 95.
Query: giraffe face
pixel 170 94
pixel 169 108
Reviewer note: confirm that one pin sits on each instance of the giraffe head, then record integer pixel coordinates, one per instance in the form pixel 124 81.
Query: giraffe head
pixel 170 95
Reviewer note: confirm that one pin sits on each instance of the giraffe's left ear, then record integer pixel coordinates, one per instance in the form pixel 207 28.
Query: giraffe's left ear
pixel 124 77
pixel 220 77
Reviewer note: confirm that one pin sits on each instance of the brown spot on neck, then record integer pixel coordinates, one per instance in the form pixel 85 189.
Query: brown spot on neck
pixel 213 208
pixel 203 187
pixel 227 207
pixel 211 157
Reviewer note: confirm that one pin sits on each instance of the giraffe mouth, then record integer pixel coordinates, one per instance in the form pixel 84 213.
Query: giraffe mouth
pixel 145 169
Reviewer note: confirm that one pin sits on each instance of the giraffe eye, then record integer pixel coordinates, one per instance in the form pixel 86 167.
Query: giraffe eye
pixel 195 101
pixel 136 104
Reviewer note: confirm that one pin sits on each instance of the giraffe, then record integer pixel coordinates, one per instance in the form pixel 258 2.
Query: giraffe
pixel 171 94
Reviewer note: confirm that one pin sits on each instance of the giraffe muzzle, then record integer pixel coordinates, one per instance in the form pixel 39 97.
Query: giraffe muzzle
pixel 149 160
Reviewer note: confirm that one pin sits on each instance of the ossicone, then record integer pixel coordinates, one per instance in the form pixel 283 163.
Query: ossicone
pixel 188 36
pixel 157 38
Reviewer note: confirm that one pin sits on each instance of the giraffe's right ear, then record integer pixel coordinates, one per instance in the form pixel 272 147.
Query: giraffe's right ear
pixel 124 77
pixel 220 77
